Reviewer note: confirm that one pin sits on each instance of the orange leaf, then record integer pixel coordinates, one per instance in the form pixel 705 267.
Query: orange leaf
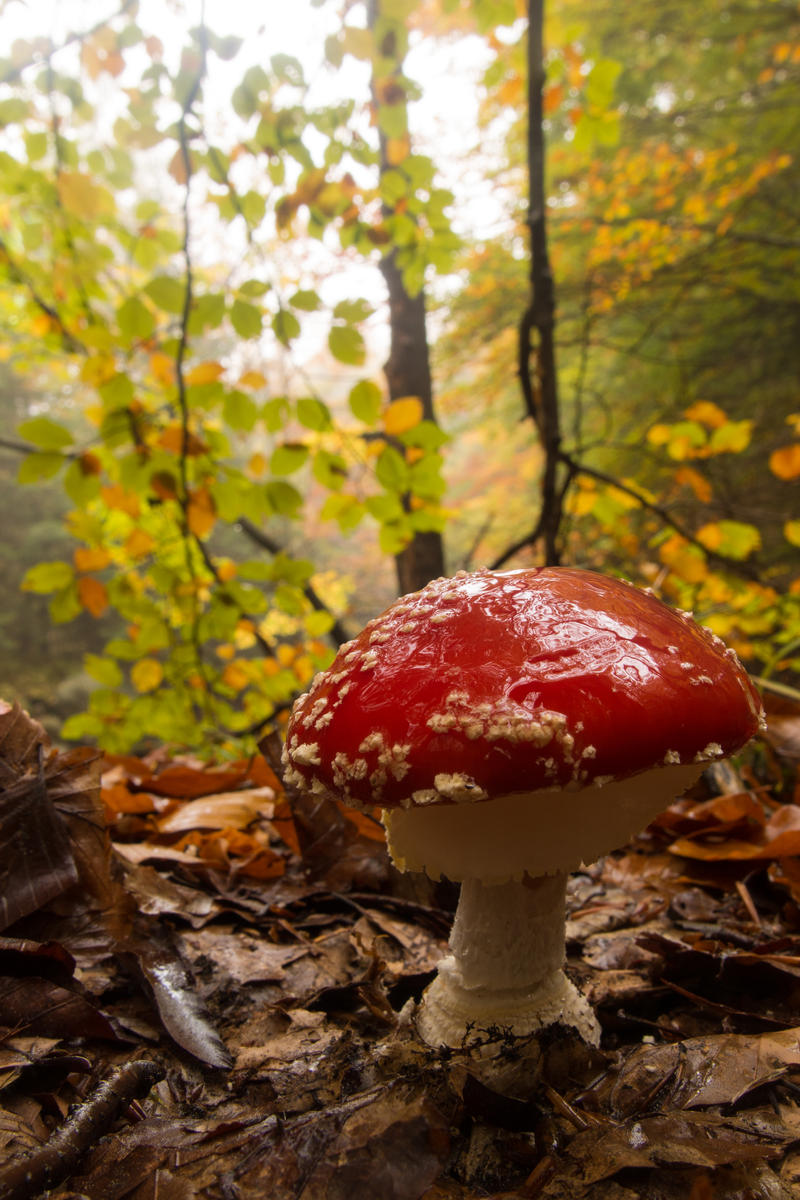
pixel 201 512
pixel 225 810
pixel 91 558
pixel 785 463
pixel 92 595
pixel 139 543
pixel 707 413
pixel 116 496
pixel 172 439
pixel 163 368
pixel 689 477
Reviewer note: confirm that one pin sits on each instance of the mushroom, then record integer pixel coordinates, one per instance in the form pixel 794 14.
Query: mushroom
pixel 512 726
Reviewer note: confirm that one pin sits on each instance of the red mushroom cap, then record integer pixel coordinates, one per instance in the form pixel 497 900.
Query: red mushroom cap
pixel 492 683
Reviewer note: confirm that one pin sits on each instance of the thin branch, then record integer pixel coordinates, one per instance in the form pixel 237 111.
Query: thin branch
pixel 747 570
pixel 50 1164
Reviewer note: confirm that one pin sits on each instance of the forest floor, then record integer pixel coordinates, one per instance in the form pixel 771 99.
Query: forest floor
pixel 206 990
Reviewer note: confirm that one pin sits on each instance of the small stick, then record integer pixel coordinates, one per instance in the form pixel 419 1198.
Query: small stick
pixel 747 901
pixel 52 1163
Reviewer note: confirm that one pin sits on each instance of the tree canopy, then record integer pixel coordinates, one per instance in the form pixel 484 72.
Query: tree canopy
pixel 194 246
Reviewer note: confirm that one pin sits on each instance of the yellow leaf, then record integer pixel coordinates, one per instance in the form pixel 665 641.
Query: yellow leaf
pixel 793 419
pixel 707 413
pixel 226 569
pixel 82 197
pixel 791 531
pixel 138 544
pixel 204 372
pixel 257 464
pixel 659 435
pixel 98 369
pixel 403 414
pixel 785 463
pixel 731 437
pixel 397 150
pixel 91 558
pixel 253 379
pixel 92 595
pixel 146 674
pixel 162 368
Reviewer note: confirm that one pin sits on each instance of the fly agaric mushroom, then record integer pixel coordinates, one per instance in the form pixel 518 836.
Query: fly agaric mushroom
pixel 513 725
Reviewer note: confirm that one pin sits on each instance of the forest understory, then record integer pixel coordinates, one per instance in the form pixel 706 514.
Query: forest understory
pixel 207 989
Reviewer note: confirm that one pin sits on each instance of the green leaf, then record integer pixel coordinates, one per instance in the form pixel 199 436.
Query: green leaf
pixel 208 312
pixel 366 401
pixel 393 187
pixel 330 470
pixel 136 322
pixel 601 81
pixel 80 487
pixel 427 435
pixel 347 345
pixel 385 507
pixel 305 300
pixel 288 458
pixel 246 319
pixel 47 577
pixel 44 433
pixel 283 498
pixel 240 411
pixel 83 727
pixel 36 467
pixel 313 414
pixel 392 470
pixel 253 288
pixel 318 623
pixel 104 670
pixel 117 392
pixel 346 510
pixel 167 293
pixel 285 326
pixel 353 311
pixel 275 413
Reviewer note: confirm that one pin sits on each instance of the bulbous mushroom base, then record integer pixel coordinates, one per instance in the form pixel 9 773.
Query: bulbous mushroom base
pixel 452 1015
pixel 504 971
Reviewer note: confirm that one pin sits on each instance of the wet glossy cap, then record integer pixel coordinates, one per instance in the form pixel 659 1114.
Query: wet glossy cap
pixel 492 683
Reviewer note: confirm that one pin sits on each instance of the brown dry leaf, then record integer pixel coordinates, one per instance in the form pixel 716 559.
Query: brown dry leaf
pixel 688 1139
pixel 702 1071
pixel 222 810
pixel 154 955
pixel 778 837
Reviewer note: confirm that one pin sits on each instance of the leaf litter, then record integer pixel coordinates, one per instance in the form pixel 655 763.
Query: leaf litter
pixel 246 961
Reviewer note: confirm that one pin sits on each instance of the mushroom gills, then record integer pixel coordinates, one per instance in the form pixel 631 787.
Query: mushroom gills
pixel 544 832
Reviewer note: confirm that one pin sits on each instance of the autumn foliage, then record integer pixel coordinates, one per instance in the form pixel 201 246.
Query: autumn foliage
pixel 177 232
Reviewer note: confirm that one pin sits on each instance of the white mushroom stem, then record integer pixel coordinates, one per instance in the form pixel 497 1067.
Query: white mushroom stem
pixel 504 971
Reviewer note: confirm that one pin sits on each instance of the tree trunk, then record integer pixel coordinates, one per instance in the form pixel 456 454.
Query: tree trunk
pixel 408 371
